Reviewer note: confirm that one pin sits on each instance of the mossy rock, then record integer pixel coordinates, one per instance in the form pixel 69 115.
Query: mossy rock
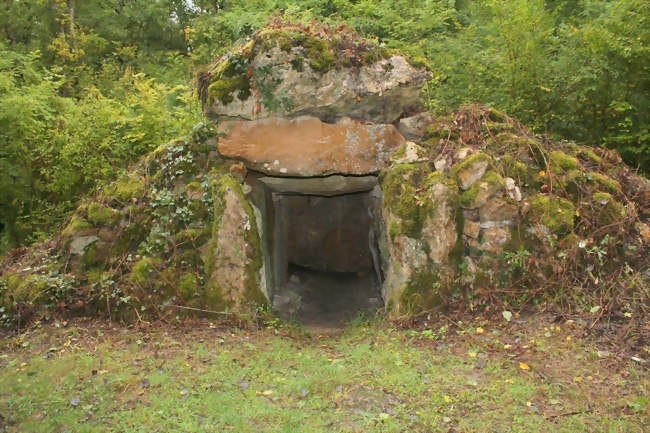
pixel 189 287
pixel 224 90
pixel 490 185
pixel 26 288
pixel 399 184
pixel 320 54
pixel 503 138
pixel 588 155
pixel 144 271
pixel 607 210
pixel 555 213
pixel 574 182
pixel 561 162
pixel 471 169
pixel 421 292
pixel 77 226
pixel 213 294
pixel 127 189
pixel 99 215
pixel 604 183
pixel 518 170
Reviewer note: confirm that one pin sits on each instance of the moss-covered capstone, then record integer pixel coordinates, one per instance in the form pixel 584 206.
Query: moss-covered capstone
pixel 291 70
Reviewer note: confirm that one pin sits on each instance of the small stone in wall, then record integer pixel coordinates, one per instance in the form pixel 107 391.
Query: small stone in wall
pixel 441 165
pixel 494 238
pixel 471 169
pixel 464 153
pixel 471 229
pixel 410 154
pixel 79 245
pixel 414 127
pixel 512 189
pixel 239 171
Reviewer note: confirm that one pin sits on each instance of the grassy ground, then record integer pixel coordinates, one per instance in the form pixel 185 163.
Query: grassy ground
pixel 526 375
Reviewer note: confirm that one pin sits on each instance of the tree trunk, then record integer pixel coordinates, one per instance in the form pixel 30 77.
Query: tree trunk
pixel 71 10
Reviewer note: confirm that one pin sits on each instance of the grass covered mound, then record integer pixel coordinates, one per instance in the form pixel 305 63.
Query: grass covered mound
pixel 144 243
pixel 577 232
pixel 566 228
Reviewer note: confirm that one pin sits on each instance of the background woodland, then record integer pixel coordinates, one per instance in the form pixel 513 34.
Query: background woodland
pixel 87 87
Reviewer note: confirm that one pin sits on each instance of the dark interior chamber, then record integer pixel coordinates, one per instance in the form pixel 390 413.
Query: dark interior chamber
pixel 321 256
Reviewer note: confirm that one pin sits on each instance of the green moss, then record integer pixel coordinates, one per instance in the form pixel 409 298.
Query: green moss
pixel 399 153
pixel 21 288
pixel 213 294
pixel 223 90
pixel 393 230
pixel 502 138
pixel 608 210
pixel 126 189
pixel 401 198
pixel 421 291
pixel 555 213
pixel 193 186
pixel 438 177
pixel 587 154
pixel 94 276
pixel 91 257
pixel 188 286
pixel 604 183
pixel 418 62
pixel 76 226
pixel 496 115
pixel 516 170
pixel 143 271
pixel 573 182
pixel 468 163
pixel 102 215
pixel 560 161
pixel 192 236
pixel 298 63
pixel 489 185
pixel 320 55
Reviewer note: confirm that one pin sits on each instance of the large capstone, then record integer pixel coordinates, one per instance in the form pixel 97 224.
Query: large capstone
pixel 306 146
pixel 381 91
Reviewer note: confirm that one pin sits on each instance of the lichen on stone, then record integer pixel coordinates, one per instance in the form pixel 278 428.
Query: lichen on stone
pixel 421 292
pixel 471 169
pixel 402 199
pixel 490 184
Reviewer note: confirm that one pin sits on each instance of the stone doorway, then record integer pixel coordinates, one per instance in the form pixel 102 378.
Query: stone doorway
pixel 320 249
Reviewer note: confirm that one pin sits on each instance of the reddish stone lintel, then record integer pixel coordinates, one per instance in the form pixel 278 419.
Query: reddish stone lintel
pixel 306 146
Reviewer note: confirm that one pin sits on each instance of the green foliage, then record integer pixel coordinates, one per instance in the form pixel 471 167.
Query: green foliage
pixel 55 149
pixel 87 87
pixel 579 73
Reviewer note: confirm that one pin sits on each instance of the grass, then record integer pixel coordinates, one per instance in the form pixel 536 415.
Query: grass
pixel 469 377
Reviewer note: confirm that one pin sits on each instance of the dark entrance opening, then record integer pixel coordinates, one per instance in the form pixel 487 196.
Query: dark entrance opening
pixel 320 250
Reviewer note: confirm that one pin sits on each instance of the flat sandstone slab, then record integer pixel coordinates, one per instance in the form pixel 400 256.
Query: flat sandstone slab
pixel 306 146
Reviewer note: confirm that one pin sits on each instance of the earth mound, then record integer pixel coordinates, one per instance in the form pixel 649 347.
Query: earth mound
pixel 469 208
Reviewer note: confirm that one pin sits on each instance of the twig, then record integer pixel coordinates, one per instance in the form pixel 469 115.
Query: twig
pixel 202 310
pixel 575 412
